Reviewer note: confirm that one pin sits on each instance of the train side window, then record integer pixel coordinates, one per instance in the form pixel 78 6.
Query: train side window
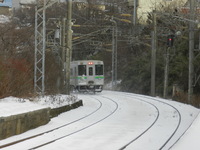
pixel 75 72
pixel 99 69
pixel 90 71
pixel 81 70
pixel 71 72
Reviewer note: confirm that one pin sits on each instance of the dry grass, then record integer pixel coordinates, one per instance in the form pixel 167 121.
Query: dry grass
pixel 183 98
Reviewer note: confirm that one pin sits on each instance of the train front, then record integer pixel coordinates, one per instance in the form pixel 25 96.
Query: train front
pixel 91 75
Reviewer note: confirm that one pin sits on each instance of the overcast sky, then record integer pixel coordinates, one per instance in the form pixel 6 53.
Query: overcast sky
pixel 6 3
pixel 15 3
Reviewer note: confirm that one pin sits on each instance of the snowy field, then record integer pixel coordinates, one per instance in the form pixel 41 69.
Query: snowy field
pixel 109 121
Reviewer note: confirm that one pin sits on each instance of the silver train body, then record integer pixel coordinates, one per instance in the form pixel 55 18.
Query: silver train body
pixel 87 75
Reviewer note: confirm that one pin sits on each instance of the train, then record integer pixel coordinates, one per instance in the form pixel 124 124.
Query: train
pixel 87 75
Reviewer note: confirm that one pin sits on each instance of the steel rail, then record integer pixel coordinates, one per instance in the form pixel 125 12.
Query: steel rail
pixel 40 134
pixel 77 131
pixel 154 99
pixel 178 125
pixel 158 114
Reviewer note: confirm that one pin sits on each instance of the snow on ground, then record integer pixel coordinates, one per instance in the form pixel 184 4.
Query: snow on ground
pixel 190 139
pixel 4 19
pixel 11 106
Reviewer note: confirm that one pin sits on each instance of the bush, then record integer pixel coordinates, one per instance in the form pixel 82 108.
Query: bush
pixel 16 77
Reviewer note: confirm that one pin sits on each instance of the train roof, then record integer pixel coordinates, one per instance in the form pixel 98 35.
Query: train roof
pixel 87 61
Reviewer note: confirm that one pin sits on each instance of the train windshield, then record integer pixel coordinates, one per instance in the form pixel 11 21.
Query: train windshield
pixel 81 70
pixel 99 69
pixel 90 71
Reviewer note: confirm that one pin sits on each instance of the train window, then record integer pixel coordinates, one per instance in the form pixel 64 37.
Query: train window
pixel 90 71
pixel 81 70
pixel 71 72
pixel 99 69
pixel 75 72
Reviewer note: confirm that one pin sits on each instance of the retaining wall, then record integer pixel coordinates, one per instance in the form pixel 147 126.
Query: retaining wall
pixel 56 111
pixel 20 123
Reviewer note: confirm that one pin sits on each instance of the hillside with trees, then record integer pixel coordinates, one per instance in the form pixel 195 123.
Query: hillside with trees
pixel 92 39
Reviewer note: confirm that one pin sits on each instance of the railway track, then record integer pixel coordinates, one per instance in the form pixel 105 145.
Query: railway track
pixel 59 127
pixel 151 101
pixel 79 130
pixel 132 122
pixel 12 144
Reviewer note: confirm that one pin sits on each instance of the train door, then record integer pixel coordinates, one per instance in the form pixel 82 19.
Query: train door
pixel 75 76
pixel 82 75
pixel 72 75
pixel 99 76
pixel 90 73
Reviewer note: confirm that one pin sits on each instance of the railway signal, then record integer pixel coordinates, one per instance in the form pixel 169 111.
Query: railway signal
pixel 170 40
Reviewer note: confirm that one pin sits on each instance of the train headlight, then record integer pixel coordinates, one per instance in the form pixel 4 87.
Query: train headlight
pixel 90 63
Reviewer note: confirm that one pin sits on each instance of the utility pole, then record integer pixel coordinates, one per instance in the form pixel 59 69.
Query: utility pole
pixel 69 45
pixel 114 52
pixel 191 50
pixel 63 43
pixel 153 54
pixel 135 12
pixel 166 73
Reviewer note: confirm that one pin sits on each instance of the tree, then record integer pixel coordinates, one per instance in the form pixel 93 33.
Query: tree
pixel 16 64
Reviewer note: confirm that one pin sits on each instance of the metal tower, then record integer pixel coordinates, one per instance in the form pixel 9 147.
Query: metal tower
pixel 40 44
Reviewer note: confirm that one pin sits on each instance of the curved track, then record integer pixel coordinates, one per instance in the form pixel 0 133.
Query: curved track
pixel 63 127
pixel 118 121
pixel 151 125
pixel 156 103
pixel 54 129
pixel 81 128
